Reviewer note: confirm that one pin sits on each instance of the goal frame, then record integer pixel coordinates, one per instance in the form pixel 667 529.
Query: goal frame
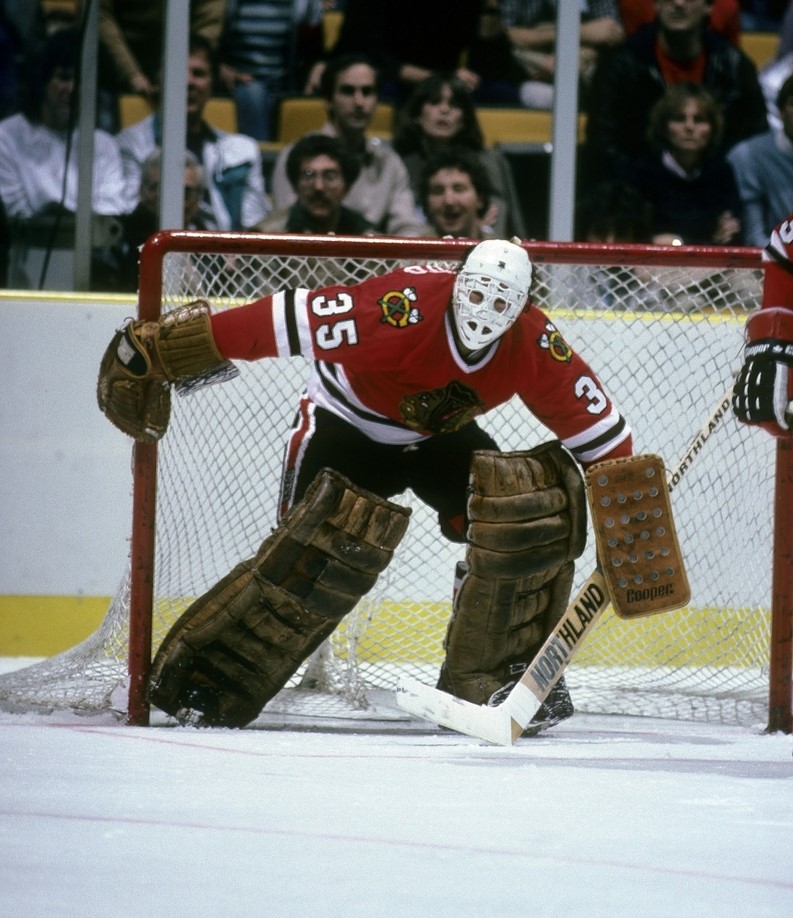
pixel 144 489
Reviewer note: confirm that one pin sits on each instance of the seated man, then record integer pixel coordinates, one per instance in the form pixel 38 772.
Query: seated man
pixel 382 191
pixel 144 220
pixel 39 173
pixel 455 194
pixel 321 172
pixel 531 29
pixel 763 167
pixel 235 198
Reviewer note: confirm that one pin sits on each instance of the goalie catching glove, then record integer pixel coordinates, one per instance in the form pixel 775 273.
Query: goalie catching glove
pixel 145 358
pixel 764 386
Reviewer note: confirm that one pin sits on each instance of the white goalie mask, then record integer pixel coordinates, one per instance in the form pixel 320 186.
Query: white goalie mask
pixel 491 289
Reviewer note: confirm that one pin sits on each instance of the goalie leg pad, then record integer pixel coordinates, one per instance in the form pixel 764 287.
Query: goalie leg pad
pixel 527 514
pixel 497 626
pixel 527 511
pixel 245 638
pixel 235 647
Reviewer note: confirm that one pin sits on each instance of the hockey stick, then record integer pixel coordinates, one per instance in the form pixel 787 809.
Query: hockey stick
pixel 504 723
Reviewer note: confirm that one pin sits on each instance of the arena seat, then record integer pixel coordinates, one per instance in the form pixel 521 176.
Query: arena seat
pixel 219 112
pixel 331 26
pixel 298 115
pixel 519 125
pixel 761 47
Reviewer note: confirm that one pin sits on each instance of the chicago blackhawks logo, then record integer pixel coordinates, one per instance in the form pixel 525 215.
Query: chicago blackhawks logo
pixel 441 410
pixel 553 342
pixel 397 309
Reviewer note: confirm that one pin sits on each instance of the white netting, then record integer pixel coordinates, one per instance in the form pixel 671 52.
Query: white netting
pixel 665 340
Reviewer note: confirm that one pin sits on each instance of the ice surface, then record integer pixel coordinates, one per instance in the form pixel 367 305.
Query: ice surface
pixel 599 817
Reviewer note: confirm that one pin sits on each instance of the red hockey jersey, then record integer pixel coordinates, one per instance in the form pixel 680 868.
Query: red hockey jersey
pixel 386 360
pixel 778 264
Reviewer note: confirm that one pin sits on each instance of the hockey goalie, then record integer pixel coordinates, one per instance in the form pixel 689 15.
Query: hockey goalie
pixel 403 365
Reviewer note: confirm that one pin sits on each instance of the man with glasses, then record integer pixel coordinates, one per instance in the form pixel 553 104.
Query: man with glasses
pixel 382 192
pixel 321 171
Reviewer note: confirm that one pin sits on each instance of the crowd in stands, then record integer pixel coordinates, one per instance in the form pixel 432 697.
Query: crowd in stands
pixel 686 138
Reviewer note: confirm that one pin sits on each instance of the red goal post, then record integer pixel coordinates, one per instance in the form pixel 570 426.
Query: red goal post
pixel 404 249
pixel 662 326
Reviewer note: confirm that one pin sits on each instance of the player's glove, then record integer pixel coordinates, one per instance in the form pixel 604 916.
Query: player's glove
pixel 144 358
pixel 764 386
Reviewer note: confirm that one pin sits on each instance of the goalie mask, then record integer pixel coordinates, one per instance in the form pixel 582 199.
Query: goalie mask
pixel 490 292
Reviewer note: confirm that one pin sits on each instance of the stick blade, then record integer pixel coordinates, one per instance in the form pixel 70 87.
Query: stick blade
pixel 491 724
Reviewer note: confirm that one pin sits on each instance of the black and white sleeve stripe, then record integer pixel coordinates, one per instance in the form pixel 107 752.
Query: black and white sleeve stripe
pixel 291 325
pixel 599 440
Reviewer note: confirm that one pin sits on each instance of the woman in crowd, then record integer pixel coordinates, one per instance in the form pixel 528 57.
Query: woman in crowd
pixel 686 178
pixel 441 114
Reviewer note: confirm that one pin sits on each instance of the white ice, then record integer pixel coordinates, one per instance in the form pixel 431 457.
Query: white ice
pixel 602 816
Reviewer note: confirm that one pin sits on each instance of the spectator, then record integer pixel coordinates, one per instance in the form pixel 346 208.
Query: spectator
pixel 764 171
pixel 441 113
pixel 39 168
pixel 775 72
pixel 685 178
pixel 10 53
pixel 614 212
pixel 724 17
pixel 235 197
pixel 531 29
pixel 28 21
pixel 762 15
pixel 321 171
pixel 264 53
pixel 130 48
pixel 786 33
pixel 144 220
pixel 455 194
pixel 382 192
pixel 21 34
pixel 675 48
pixel 409 40
pixel 611 212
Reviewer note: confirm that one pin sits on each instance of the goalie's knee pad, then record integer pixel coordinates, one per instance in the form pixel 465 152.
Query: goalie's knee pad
pixel 235 647
pixel 527 514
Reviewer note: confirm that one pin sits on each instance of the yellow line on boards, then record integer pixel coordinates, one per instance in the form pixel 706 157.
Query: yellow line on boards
pixel 41 626
pixel 405 631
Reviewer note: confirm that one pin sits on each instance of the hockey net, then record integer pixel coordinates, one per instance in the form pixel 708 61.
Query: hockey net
pixel 661 326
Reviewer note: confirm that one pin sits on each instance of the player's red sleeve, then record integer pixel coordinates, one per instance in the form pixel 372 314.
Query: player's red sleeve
pixel 778 267
pixel 245 333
